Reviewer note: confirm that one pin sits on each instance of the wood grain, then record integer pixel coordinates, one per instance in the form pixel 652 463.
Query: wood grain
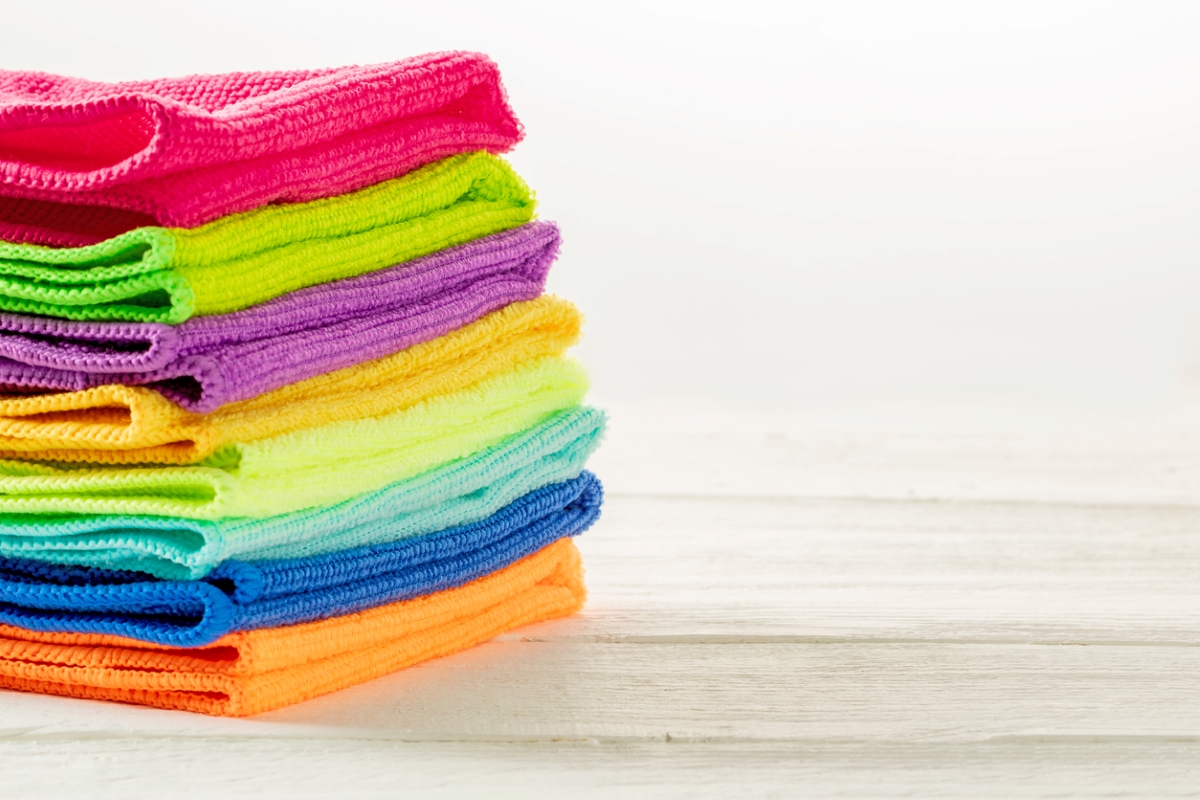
pixel 377 768
pixel 1035 635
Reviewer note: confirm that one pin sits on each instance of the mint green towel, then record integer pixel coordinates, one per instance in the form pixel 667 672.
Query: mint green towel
pixel 458 493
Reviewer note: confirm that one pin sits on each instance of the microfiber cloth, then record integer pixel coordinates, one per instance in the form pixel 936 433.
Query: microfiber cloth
pixel 126 424
pixel 307 468
pixel 245 595
pixel 457 493
pixel 107 157
pixel 209 361
pixel 170 274
pixel 254 671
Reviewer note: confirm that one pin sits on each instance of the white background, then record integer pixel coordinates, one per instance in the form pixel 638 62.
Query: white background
pixel 845 209
pixel 895 307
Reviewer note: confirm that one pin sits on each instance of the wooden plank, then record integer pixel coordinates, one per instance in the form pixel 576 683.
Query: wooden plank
pixel 960 570
pixel 1069 458
pixel 802 691
pixel 754 593
pixel 763 692
pixel 304 768
pixel 749 645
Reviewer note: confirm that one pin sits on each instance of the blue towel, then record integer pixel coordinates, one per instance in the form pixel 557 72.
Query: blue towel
pixel 242 595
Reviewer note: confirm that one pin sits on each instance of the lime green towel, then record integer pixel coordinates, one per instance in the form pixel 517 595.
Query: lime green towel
pixel 307 468
pixel 170 274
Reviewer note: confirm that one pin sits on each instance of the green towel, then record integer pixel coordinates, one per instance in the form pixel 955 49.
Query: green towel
pixel 307 468
pixel 456 493
pixel 170 274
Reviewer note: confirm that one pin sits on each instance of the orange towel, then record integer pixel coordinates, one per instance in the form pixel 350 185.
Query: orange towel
pixel 255 671
pixel 128 424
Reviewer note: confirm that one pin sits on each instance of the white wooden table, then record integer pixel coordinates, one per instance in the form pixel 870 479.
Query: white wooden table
pixel 775 611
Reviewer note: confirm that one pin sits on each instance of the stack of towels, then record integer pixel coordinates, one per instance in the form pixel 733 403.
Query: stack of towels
pixel 284 405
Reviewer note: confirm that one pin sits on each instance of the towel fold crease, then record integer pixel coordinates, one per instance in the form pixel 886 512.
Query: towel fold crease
pixel 82 161
pixel 242 595
pixel 168 275
pixel 311 467
pixel 250 672
pixel 208 362
pixel 457 493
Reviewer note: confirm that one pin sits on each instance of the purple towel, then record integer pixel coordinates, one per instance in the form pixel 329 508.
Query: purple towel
pixel 207 362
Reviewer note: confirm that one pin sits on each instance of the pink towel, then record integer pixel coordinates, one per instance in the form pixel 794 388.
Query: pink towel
pixel 101 158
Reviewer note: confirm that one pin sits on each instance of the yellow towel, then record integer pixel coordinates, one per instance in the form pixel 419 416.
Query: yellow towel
pixel 126 424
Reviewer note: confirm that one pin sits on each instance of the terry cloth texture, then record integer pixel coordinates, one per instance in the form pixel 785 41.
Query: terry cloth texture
pixel 457 493
pixel 307 468
pixel 109 157
pixel 241 595
pixel 132 425
pixel 170 274
pixel 254 671
pixel 207 362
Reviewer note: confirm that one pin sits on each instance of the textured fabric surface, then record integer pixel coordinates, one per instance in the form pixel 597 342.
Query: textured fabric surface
pixel 207 362
pixel 457 493
pixel 241 595
pixel 123 424
pixel 170 274
pixel 307 468
pixel 254 671
pixel 107 157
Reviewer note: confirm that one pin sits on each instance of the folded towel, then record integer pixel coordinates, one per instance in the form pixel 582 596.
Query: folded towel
pixel 171 274
pixel 254 671
pixel 457 493
pixel 207 362
pixel 134 425
pixel 109 157
pixel 245 595
pixel 307 468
